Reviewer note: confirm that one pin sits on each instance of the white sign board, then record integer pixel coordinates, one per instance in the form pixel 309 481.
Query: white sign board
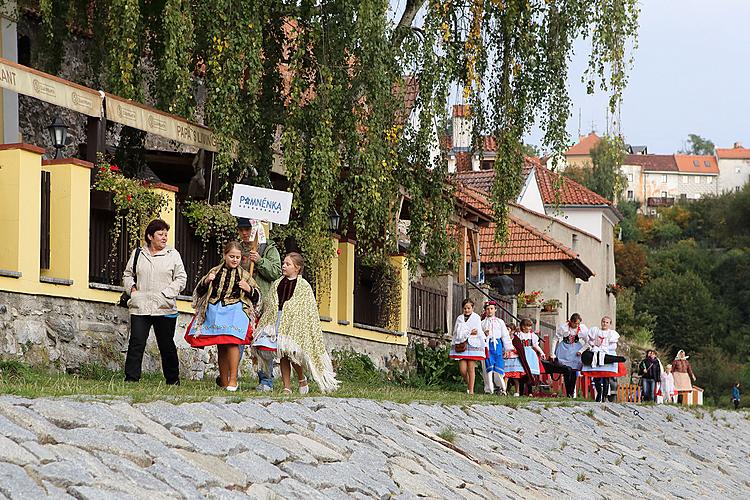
pixel 262 204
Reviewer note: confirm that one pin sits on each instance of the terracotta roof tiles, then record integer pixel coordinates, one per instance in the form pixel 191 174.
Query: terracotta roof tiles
pixel 697 164
pixel 652 163
pixel 584 146
pixel 736 153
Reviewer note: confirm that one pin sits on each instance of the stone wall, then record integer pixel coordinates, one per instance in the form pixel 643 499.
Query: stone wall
pixel 65 334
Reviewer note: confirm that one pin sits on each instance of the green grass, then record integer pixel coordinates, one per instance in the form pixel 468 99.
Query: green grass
pixel 447 434
pixel 94 381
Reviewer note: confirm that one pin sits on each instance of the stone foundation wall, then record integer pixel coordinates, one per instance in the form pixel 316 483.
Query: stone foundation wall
pixel 65 334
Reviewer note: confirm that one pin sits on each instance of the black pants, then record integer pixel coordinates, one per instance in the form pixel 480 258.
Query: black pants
pixel 587 357
pixel 569 375
pixel 164 330
pixel 601 385
pixel 736 404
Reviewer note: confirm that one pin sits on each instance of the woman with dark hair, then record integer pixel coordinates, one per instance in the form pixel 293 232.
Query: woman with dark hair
pixel 566 349
pixel 153 277
pixel 468 345
pixel 290 328
pixel 225 303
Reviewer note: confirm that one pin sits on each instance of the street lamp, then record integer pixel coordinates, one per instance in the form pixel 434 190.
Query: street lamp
pixel 58 132
pixel 334 219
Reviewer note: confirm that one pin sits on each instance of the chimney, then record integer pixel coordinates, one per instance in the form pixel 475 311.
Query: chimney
pixel 737 145
pixel 461 128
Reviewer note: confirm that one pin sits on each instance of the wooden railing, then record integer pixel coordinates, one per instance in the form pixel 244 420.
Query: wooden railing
pixel 629 393
pixel 427 309
pixel 659 202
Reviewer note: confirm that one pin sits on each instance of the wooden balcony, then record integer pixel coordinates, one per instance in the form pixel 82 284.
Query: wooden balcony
pixel 659 202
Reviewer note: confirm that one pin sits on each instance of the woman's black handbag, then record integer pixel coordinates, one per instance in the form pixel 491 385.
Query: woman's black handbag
pixel 123 302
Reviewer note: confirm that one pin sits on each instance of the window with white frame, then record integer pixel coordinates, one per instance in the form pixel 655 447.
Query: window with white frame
pixel 664 177
pixel 663 194
pixel 630 194
pixel 697 179
pixel 709 179
pixel 630 177
pixel 685 178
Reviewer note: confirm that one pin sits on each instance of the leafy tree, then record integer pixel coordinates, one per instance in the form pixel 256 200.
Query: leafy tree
pixel 716 371
pixel 316 80
pixel 630 262
pixel 686 312
pixel 530 150
pixel 630 231
pixel 603 176
pixel 638 326
pixel 698 145
pixel 682 257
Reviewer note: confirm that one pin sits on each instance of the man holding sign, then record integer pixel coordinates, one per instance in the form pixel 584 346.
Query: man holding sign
pixel 260 254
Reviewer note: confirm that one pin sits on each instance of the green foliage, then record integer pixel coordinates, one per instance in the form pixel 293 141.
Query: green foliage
pixel 637 326
pixel 717 372
pixel 698 145
pixel 212 222
pixel 684 308
pixel 605 177
pixel 448 434
pixel 630 262
pixel 434 366
pixel 629 225
pixel 355 367
pixel 315 87
pixel 135 203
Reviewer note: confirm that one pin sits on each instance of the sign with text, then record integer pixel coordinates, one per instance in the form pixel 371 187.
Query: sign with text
pixel 261 204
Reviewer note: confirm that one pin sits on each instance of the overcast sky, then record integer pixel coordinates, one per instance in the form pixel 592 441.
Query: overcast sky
pixel 691 74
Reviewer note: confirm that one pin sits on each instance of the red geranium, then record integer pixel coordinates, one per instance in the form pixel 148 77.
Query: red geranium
pixel 114 168
pixel 130 198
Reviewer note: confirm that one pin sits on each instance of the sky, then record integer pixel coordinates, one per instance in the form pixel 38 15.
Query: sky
pixel 691 74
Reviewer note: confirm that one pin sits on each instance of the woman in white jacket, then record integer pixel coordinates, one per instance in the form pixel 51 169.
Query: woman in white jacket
pixel 153 277
pixel 468 345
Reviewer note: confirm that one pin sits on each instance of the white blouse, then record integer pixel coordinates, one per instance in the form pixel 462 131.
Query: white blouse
pixel 497 331
pixel 462 329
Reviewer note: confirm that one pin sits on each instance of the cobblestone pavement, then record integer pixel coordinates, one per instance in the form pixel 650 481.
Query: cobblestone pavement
pixel 352 448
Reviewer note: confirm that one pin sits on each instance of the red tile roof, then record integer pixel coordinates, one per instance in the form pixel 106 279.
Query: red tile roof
pixel 652 163
pixel 483 179
pixel 584 146
pixel 736 153
pixel 570 192
pixel 527 243
pixel 407 92
pixel 697 164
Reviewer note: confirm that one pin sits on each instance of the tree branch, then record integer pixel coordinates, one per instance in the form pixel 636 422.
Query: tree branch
pixel 407 18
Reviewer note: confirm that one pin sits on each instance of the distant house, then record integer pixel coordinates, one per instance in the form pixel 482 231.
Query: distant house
pixel 734 167
pixel 659 180
pixel 561 241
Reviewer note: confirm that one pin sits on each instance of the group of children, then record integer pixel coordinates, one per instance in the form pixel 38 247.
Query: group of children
pixel 513 356
pixel 276 315
pixel 503 354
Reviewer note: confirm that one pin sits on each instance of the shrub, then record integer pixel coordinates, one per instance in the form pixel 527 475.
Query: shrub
pixel 352 366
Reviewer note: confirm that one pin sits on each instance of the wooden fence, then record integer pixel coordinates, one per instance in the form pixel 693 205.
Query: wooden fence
pixel 629 393
pixel 427 309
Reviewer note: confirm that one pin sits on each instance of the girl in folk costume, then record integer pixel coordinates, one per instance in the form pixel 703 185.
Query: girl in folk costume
pixel 226 312
pixel 682 372
pixel 667 385
pixel 291 324
pixel 522 360
pixel 468 343
pixel 599 356
pixel 566 347
pixel 498 341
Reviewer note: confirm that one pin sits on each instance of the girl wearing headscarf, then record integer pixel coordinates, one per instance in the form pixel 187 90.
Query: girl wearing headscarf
pixel 225 303
pixel 682 373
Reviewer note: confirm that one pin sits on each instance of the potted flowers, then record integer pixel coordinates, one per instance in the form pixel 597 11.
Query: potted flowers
pixel 531 299
pixel 551 305
pixel 613 289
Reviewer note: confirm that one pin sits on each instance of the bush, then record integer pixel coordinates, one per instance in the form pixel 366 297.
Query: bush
pixel 434 367
pixel 355 367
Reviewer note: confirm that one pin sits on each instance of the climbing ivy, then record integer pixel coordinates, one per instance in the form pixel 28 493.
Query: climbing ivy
pixel 317 88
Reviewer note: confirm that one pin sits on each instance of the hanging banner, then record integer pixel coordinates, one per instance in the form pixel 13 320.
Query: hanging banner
pixel 47 88
pixel 261 204
pixel 149 120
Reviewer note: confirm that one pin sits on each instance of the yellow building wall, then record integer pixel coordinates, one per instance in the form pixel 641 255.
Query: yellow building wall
pixel 20 214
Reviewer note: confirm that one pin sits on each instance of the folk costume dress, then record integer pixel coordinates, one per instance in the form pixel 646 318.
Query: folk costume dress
pixel 682 373
pixel 476 344
pixel 599 354
pixel 224 313
pixel 498 341
pixel 568 342
pixel 291 324
pixel 513 365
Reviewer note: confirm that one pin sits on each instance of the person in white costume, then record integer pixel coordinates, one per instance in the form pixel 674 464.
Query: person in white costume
pixel 469 344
